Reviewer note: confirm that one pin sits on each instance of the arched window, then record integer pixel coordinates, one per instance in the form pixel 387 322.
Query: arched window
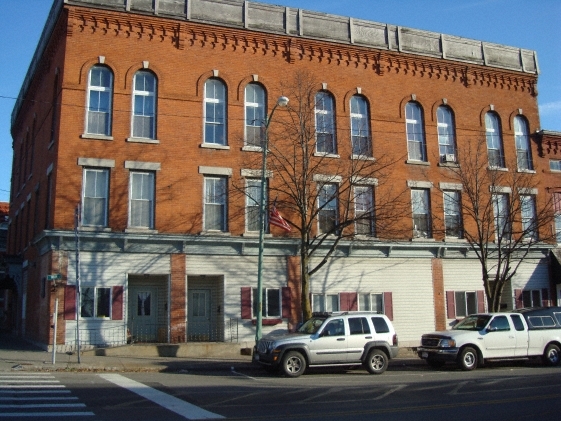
pixel 494 140
pixel 522 140
pixel 360 128
pixel 215 112
pixel 144 105
pixel 446 134
pixel 325 123
pixel 100 96
pixel 415 134
pixel 254 113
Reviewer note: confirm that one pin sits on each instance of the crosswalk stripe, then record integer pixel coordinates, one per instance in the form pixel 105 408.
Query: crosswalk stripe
pixel 43 405
pixel 45 414
pixel 28 381
pixel 38 398
pixel 31 386
pixel 33 392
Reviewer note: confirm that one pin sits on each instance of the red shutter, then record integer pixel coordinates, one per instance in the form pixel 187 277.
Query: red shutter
pixel 117 303
pixel 545 297
pixel 348 301
pixel 388 305
pixel 480 301
pixel 286 302
pixel 70 302
pixel 518 302
pixel 246 302
pixel 450 305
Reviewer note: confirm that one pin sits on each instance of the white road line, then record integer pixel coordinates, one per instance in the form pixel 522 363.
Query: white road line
pixel 27 377
pixel 185 409
pixel 43 405
pixel 45 414
pixel 34 392
pixel 32 386
pixel 39 398
pixel 28 381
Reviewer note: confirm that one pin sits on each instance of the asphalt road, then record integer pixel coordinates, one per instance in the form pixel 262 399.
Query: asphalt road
pixel 503 392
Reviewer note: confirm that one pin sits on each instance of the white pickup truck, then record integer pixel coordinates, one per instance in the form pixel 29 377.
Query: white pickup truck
pixel 519 335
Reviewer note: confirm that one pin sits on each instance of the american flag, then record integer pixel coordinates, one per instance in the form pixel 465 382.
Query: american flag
pixel 276 219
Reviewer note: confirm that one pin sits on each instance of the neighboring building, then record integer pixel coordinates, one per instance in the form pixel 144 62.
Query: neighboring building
pixel 8 289
pixel 134 109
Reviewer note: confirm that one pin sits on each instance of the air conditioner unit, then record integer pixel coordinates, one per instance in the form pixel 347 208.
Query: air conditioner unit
pixel 449 157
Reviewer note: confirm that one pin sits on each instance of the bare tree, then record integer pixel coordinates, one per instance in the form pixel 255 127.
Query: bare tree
pixel 503 216
pixel 327 187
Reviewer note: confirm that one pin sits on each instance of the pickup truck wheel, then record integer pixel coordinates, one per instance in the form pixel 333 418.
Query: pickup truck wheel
pixel 376 361
pixel 293 364
pixel 552 355
pixel 468 359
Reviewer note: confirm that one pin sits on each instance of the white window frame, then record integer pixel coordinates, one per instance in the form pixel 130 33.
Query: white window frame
pixel 529 296
pixel 522 141
pixel 328 201
pixel 265 302
pixel 216 101
pixel 252 204
pixel 100 193
pixel 501 213
pixel 360 127
pixel 466 310
pixel 84 300
pixel 325 123
pixel 494 140
pixel 99 91
pixel 255 113
pixel 366 301
pixel 529 216
pixel 364 205
pixel 148 99
pixel 420 205
pixel 452 201
pixel 555 165
pixel 414 126
pixel 446 134
pixel 216 195
pixel 147 193
pixel 326 302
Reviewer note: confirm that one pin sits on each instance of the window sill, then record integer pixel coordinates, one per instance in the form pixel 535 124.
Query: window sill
pixel 366 237
pixel 255 234
pixel 215 232
pixel 363 157
pixel 215 146
pixel 527 171
pixel 414 162
pixel 329 155
pixel 142 140
pixel 252 148
pixel 91 228
pixel 419 239
pixel 455 240
pixel 449 164
pixel 497 168
pixel 138 230
pixel 95 136
pixel 267 322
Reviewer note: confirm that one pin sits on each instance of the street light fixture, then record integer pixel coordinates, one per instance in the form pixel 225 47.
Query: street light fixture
pixel 281 102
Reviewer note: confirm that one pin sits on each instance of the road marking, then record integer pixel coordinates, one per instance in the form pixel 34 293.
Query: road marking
pixel 44 414
pixel 39 398
pixel 34 392
pixel 185 409
pixel 2 380
pixel 43 405
pixel 31 386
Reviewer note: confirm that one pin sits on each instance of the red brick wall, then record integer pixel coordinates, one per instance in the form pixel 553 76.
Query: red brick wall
pixel 178 298
pixel 439 296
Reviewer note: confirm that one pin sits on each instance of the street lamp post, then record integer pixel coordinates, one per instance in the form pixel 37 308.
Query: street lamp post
pixel 282 102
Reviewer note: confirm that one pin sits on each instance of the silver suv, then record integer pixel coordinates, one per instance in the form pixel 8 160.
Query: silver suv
pixel 336 339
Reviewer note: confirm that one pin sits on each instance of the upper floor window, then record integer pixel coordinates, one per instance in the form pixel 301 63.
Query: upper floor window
pixel 452 213
pixel 501 206
pixel 141 203
pixel 446 134
pixel 215 112
pixel 253 203
pixel 328 207
pixel 555 165
pixel 364 210
pixel 325 123
pixel 144 105
pixel 215 202
pixel 529 221
pixel 360 127
pixel 100 92
pixel 420 204
pixel 415 134
pixel 95 197
pixel 254 113
pixel 522 138
pixel 494 140
pixel 557 215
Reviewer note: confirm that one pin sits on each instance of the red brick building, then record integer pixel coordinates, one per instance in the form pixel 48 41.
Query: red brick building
pixel 141 113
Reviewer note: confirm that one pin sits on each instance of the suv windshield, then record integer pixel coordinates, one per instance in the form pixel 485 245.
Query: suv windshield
pixel 475 322
pixel 312 325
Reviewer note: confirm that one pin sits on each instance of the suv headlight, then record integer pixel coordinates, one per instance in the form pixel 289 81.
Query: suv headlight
pixel 447 343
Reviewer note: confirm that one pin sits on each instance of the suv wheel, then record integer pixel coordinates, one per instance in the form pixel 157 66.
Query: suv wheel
pixel 468 359
pixel 293 364
pixel 376 361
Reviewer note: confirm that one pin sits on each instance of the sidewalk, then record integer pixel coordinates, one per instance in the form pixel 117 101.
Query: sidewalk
pixel 16 354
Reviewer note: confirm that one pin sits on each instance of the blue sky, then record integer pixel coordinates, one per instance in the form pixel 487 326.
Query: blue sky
pixel 530 24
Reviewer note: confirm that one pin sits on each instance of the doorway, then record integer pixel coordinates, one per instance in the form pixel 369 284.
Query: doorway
pixel 205 308
pixel 147 308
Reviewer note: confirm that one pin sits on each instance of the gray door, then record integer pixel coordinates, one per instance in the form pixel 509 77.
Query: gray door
pixel 142 313
pixel 199 315
pixel 331 345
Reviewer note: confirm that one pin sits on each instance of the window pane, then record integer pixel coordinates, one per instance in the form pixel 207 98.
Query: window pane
pixel 318 302
pixel 421 212
pixel 332 302
pixel 360 129
pixel 215 112
pixel 144 104
pixel 103 306
pixel 452 215
pixel 144 304
pixel 415 133
pixel 501 211
pixel 98 119
pixel 327 202
pixel 461 306
pixel 94 205
pixel 364 302
pixel 215 203
pixel 87 302
pixel 494 142
pixel 142 200
pixel 471 302
pixel 273 303
pixel 521 135
pixel 528 205
pixel 446 141
pixel 325 124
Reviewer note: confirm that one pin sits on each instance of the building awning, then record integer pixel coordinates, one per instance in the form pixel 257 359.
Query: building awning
pixel 556 265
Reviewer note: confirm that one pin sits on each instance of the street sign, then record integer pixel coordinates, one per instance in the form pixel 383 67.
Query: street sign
pixel 54 277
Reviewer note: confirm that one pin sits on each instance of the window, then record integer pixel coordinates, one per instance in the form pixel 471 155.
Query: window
pixel 517 322
pixel 522 140
pixel 95 302
pixel 144 105
pixel 253 202
pixel 325 302
pixel 499 323
pixel 100 91
pixel 358 325
pixel 466 303
pixel 95 197
pixel 420 204
pixel 364 210
pixel 555 165
pixel 446 136
pixel 325 124
pixel 141 212
pixel 494 140
pixel 360 129
pixel 415 134
pixel 452 214
pixel 532 298
pixel 557 214
pixel 328 206
pixel 215 204
pixel 528 206
pixel 215 112
pixel 502 216
pixel 335 327
pixel 254 113
pixel 271 302
pixel 371 302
